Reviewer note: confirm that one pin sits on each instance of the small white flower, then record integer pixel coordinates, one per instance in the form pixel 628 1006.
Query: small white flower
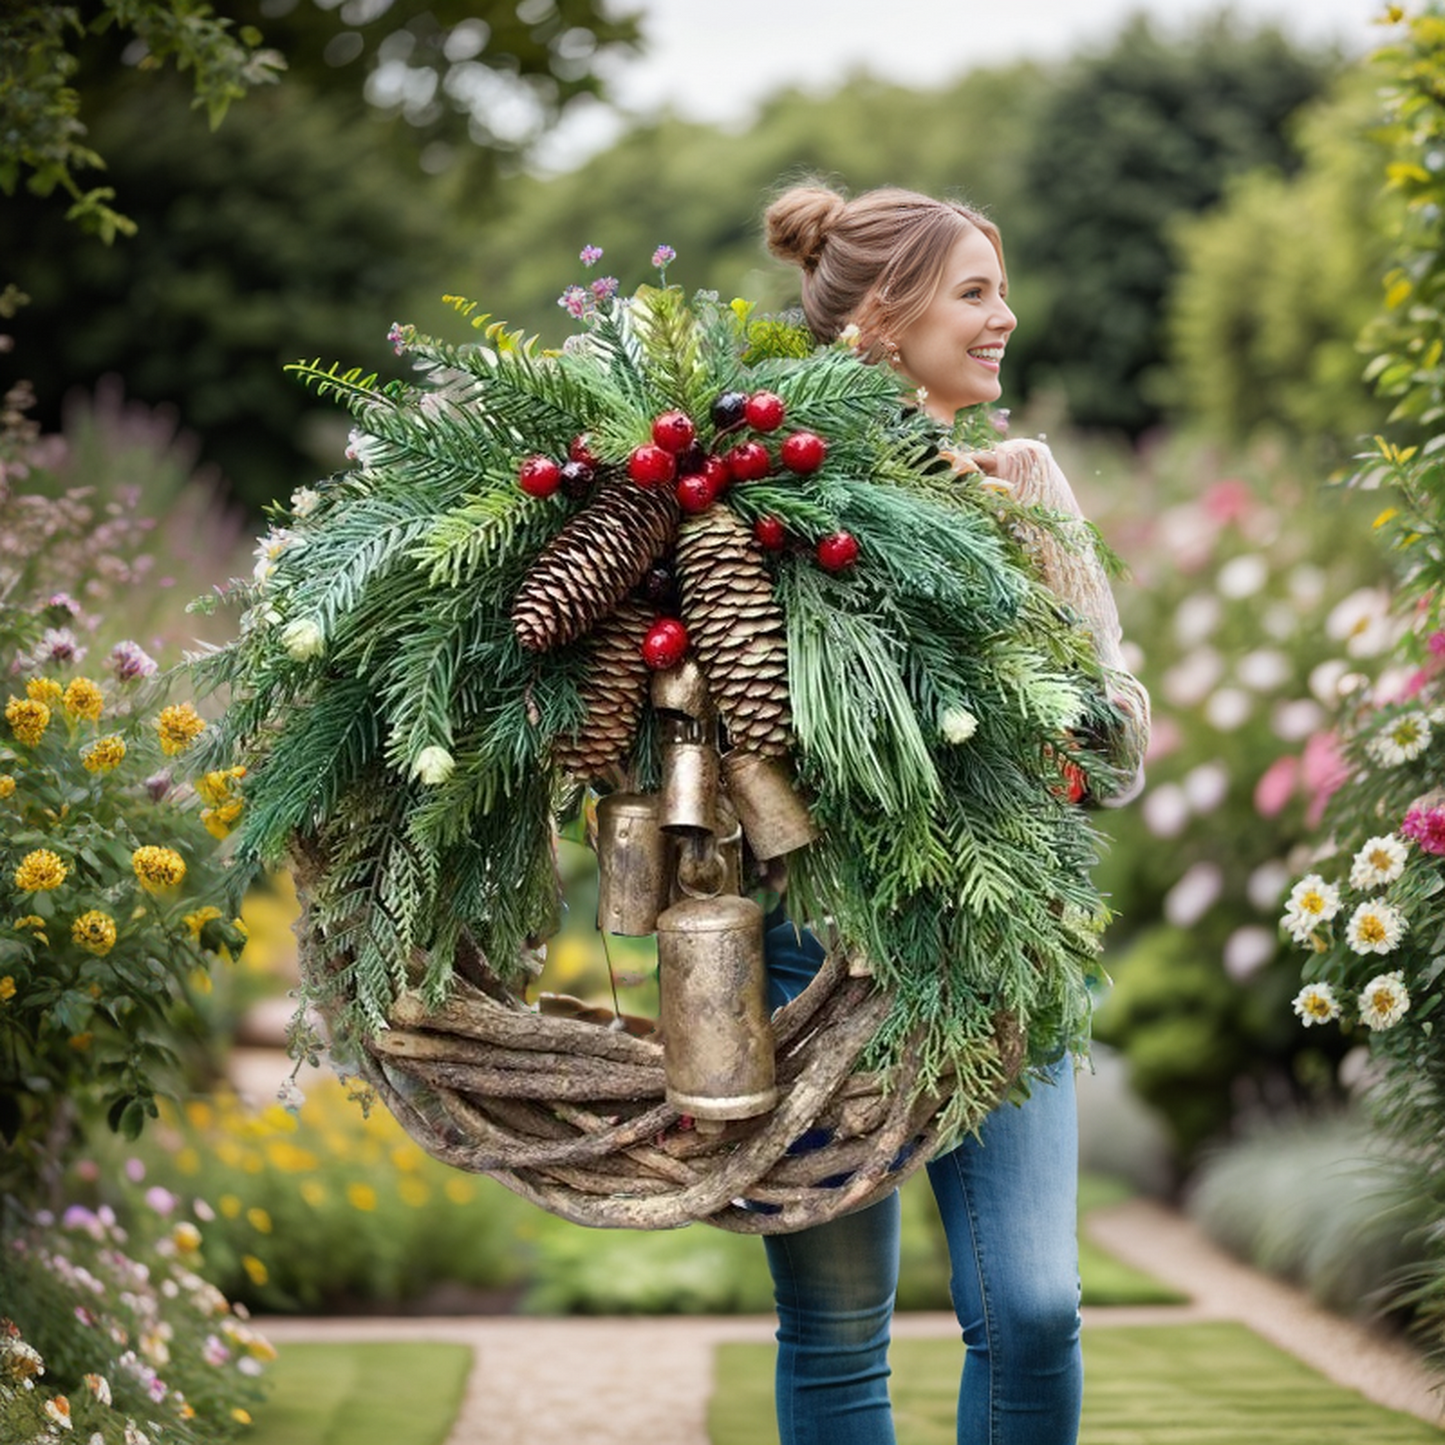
pixel 1362 622
pixel 957 725
pixel 1375 928
pixel 1243 576
pixel 1316 898
pixel 1405 739
pixel 849 335
pixel 58 1410
pixel 1380 861
pixel 290 1095
pixel 1315 1003
pixel 1194 894
pixel 303 501
pixel 303 639
pixel 434 765
pixel 1384 1001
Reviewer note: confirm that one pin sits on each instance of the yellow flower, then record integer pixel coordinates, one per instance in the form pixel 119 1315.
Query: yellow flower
pixel 94 932
pixel 186 1236
pixel 104 755
pixel 84 699
pixel 7 785
pixel 219 822
pixel 240 1416
pixel 361 1196
pixel 80 1042
pixel 7 988
pixel 179 726
pixel 259 1220
pixel 44 689
pixel 28 719
pixel 313 1193
pixel 255 1269
pixel 157 868
pixel 219 787
pixel 414 1192
pixel 460 1191
pixel 199 1114
pixel 188 1161
pixel 40 871
pixel 31 920
pixel 229 1204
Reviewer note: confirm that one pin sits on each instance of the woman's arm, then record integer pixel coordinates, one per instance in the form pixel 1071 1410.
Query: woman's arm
pixel 1070 568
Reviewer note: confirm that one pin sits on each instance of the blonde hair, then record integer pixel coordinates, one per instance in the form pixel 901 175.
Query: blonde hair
pixel 873 261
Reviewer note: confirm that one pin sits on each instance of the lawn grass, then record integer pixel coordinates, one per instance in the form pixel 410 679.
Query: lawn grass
pixel 363 1394
pixel 1195 1384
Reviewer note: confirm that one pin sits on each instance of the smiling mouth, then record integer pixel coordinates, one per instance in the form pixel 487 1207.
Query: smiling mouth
pixel 991 354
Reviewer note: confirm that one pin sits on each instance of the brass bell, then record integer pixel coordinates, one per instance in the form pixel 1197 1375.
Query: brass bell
pixel 774 816
pixel 717 1043
pixel 690 771
pixel 682 689
pixel 634 872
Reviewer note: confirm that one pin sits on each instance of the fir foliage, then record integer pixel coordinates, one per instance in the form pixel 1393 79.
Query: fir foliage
pixel 399 739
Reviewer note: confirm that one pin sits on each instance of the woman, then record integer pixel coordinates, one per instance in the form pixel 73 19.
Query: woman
pixel 923 283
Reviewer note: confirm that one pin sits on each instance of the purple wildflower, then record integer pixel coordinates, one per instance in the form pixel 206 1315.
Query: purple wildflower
pixel 1426 826
pixel 1436 643
pixel 64 602
pixel 663 257
pixel 128 660
pixel 604 288
pixel 399 335
pixel 591 255
pixel 59 645
pixel 574 301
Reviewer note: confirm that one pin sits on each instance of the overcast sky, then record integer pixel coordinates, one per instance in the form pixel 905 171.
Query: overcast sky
pixel 713 60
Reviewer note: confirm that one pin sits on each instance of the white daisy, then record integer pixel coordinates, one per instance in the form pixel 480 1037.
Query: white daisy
pixel 1407 737
pixel 1316 1003
pixel 1375 928
pixel 1315 898
pixel 1384 1001
pixel 957 725
pixel 303 639
pixel 1380 861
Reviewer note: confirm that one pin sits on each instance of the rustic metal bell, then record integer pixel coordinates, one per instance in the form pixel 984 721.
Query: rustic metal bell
pixel 690 773
pixel 717 1042
pixel 706 864
pixel 634 869
pixel 774 816
pixel 682 689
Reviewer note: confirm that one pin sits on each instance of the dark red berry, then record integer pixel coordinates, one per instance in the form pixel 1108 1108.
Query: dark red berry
pixel 580 450
pixel 659 583
pixel 729 410
pixel 577 479
pixel 748 461
pixel 770 534
pixel 691 459
pixel 673 431
pixel 651 466
pixel 665 643
pixel 695 493
pixel 838 551
pixel 539 476
pixel 765 411
pixel 803 452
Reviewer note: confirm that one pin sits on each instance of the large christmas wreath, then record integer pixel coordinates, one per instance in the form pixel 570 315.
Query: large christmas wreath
pixel 449 647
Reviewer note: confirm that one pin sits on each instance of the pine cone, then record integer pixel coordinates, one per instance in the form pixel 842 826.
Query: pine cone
pixel 737 628
pixel 592 564
pixel 614 690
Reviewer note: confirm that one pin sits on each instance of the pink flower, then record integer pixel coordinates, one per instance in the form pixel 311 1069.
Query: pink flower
pixel 1426 826
pixel 1228 500
pixel 574 301
pixel 161 1200
pixel 1324 771
pixel 135 1171
pixel 663 257
pixel 1276 786
pixel 604 288
pixel 129 660
pixel 590 255
pixel 1436 643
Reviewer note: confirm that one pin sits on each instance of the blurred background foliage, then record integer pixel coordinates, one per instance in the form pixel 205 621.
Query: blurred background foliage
pixel 1198 225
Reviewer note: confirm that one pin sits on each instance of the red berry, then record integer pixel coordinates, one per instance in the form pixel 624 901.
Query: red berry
pixel 716 471
pixel 673 431
pixel 665 643
pixel 770 534
pixel 748 461
pixel 651 466
pixel 577 479
pixel 803 452
pixel 580 450
pixel 696 493
pixel 838 551
pixel 539 476
pixel 765 411
pixel 1076 786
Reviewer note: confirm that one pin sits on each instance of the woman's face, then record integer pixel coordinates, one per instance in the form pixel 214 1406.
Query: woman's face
pixel 953 350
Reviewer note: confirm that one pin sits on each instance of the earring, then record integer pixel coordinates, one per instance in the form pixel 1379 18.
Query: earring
pixel 891 351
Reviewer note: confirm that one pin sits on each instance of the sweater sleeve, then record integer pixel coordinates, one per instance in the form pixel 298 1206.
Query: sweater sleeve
pixel 1070 568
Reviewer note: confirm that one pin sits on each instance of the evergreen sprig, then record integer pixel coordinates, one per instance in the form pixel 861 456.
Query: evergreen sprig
pixel 398 738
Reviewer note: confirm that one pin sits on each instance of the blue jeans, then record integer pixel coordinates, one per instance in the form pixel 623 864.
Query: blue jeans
pixel 1008 1201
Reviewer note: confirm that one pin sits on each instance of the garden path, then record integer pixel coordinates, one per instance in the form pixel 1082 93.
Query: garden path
pixel 621 1381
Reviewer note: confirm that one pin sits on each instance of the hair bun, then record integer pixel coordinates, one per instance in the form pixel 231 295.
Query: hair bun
pixel 798 222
